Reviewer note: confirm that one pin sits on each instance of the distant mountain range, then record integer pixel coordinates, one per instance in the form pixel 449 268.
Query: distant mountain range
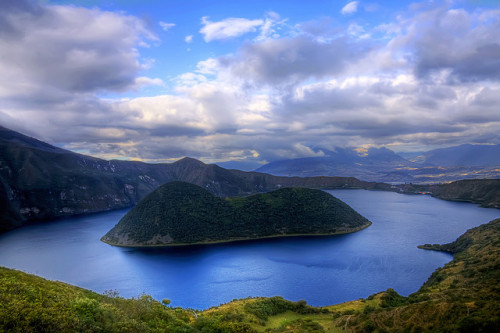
pixel 40 182
pixel 384 165
pixel 462 156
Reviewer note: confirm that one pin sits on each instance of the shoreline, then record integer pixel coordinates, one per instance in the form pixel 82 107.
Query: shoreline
pixel 233 240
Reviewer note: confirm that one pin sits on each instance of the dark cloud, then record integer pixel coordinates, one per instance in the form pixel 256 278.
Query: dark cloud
pixel 320 99
pixel 466 44
pixel 290 60
pixel 68 48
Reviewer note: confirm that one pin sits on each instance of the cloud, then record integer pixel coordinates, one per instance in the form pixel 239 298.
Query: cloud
pixel 350 8
pixel 227 28
pixel 474 38
pixel 289 60
pixel 271 27
pixel 71 49
pixel 288 90
pixel 166 26
pixel 188 39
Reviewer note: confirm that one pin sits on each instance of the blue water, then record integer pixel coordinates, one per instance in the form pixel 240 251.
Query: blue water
pixel 321 270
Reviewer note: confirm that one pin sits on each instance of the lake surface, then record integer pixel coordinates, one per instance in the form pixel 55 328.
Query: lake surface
pixel 321 270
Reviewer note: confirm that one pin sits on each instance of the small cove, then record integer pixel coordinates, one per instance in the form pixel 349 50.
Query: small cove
pixel 321 270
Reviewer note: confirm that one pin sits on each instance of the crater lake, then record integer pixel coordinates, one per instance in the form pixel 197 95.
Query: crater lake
pixel 321 270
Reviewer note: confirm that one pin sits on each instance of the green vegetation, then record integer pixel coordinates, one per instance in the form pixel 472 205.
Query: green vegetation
pixel 42 182
pixel 32 304
pixel 183 213
pixel 460 297
pixel 481 191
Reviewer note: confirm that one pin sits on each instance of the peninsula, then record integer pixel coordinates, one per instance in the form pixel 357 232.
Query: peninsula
pixel 180 213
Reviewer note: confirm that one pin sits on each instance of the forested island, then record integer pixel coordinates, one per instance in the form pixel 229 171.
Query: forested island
pixel 180 213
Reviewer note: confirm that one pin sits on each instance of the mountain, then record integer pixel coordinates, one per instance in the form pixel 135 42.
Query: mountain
pixel 373 164
pixel 463 155
pixel 383 165
pixel 180 213
pixel 462 296
pixel 39 181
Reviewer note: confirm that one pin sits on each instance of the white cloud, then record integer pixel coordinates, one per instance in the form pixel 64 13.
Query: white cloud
pixel 228 28
pixel 166 26
pixel 271 27
pixel 81 50
pixel 209 66
pixel 188 39
pixel 147 81
pixel 279 96
pixel 350 8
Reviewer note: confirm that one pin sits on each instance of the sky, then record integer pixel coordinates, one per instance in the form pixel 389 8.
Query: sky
pixel 249 81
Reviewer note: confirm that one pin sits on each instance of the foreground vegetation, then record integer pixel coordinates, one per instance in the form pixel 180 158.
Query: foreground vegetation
pixel 460 297
pixel 179 213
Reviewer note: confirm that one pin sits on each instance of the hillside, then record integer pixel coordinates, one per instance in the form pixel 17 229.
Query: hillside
pixel 460 297
pixel 42 182
pixel 485 192
pixel 179 213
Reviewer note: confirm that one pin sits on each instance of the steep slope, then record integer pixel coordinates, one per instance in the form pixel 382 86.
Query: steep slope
pixel 179 213
pixel 39 181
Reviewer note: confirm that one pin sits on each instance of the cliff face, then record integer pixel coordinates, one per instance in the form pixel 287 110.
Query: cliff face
pixel 38 181
pixel 180 213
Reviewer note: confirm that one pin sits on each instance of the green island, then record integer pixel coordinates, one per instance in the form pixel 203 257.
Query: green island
pixel 180 213
pixel 462 296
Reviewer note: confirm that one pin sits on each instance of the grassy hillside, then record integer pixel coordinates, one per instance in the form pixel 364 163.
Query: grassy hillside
pixel 460 297
pixel 183 213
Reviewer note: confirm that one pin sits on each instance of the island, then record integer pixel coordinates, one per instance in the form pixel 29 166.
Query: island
pixel 180 213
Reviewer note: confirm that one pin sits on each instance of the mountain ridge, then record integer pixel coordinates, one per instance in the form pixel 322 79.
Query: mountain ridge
pixel 40 183
pixel 384 165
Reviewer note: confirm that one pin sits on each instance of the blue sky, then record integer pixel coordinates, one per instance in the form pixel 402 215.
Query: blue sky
pixel 250 81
